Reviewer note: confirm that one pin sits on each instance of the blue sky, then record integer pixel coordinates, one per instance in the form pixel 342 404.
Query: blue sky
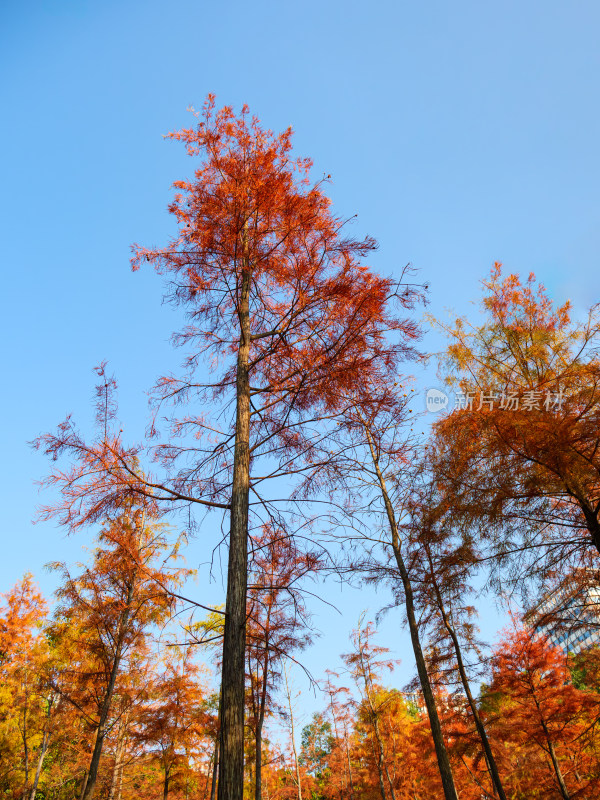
pixel 460 133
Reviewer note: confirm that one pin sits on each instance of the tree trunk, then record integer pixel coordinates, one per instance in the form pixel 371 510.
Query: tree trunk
pixel 166 785
pixel 293 734
pixel 298 777
pixel 383 767
pixel 213 784
pixel 119 783
pixel 434 720
pixel 115 786
pixel 40 763
pixel 489 756
pixel 258 763
pixel 90 784
pixel 379 756
pixel 231 767
pixel 349 767
pixel 260 722
pixel 87 772
pixel 557 770
pixel 591 520
pixel 92 775
pixel 25 745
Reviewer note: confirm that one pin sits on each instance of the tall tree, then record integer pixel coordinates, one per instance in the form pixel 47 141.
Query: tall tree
pixel 447 563
pixel 367 460
pixel 279 297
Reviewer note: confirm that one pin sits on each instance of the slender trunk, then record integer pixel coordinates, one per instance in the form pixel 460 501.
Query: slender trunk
pixel 90 784
pixel 258 763
pixel 379 757
pixel 213 784
pixel 349 767
pixel 87 772
pixel 118 767
pixel 381 767
pixel 40 763
pixel 260 721
pixel 212 766
pixel 389 778
pixel 444 766
pixel 215 772
pixel 166 785
pixel 551 751
pixel 557 770
pixel 231 768
pixel 120 783
pixel 434 720
pixel 44 747
pixel 385 766
pixel 25 745
pixel 298 778
pixel 293 734
pixel 489 756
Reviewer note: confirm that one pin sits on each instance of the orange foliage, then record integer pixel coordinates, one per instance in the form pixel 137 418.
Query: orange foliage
pixel 523 452
pixel 546 724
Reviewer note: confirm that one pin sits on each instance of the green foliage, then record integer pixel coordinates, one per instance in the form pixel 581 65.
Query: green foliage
pixel 585 669
pixel 316 745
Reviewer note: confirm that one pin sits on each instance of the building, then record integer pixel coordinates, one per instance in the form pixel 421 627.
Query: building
pixel 569 614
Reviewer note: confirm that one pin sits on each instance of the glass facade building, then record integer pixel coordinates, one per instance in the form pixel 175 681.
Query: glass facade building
pixel 569 615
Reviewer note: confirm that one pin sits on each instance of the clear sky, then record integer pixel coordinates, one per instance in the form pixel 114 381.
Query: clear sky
pixel 460 132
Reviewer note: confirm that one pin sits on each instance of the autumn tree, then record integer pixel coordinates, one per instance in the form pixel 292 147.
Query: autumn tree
pixel 109 609
pixel 448 562
pixel 367 463
pixel 352 769
pixel 173 723
pixel 520 450
pixel 535 705
pixel 365 663
pixel 279 301
pixel 29 706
